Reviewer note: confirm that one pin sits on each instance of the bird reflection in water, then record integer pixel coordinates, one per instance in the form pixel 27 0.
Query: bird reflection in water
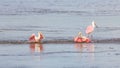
pixel 87 49
pixel 36 48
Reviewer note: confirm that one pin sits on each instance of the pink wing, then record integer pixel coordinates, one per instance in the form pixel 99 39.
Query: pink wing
pixel 78 39
pixel 32 37
pixel 41 36
pixel 89 29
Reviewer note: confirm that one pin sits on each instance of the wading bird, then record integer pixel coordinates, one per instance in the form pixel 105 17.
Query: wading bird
pixel 36 39
pixel 90 28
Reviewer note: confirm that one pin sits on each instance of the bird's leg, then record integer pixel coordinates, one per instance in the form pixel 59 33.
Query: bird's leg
pixel 91 36
pixel 88 35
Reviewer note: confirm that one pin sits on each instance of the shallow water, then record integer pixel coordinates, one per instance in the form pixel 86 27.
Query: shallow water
pixel 59 55
pixel 59 27
pixel 58 49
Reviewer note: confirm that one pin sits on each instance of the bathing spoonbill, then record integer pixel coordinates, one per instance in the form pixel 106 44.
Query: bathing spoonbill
pixel 36 39
pixel 81 39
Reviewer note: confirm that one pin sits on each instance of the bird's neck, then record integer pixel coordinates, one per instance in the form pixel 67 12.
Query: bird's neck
pixel 93 25
pixel 80 35
pixel 38 35
pixel 36 38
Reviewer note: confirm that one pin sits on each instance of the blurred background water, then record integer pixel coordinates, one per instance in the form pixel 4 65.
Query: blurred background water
pixel 80 7
pixel 57 26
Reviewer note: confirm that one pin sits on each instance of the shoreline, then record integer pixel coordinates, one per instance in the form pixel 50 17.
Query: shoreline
pixel 105 41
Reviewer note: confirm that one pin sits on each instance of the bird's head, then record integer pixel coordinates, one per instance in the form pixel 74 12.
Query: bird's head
pixel 94 24
pixel 80 34
pixel 41 35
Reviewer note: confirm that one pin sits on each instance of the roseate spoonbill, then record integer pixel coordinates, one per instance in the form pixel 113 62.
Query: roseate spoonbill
pixel 81 39
pixel 90 28
pixel 33 38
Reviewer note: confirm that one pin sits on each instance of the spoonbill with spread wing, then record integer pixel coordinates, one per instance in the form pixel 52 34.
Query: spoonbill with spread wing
pixel 36 39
